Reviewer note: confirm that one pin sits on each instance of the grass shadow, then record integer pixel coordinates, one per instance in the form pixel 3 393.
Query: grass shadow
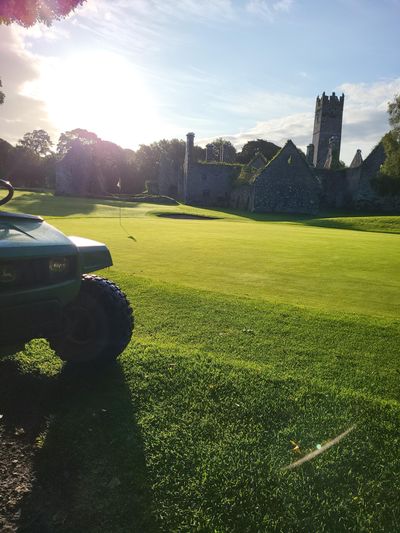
pixel 299 217
pixel 88 469
pixel 50 205
pixel 388 222
pixel 46 204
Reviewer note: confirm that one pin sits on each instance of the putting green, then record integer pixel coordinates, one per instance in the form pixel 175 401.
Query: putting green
pixel 331 269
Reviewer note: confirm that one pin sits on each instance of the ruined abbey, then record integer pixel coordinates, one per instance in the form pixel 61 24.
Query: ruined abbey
pixel 291 182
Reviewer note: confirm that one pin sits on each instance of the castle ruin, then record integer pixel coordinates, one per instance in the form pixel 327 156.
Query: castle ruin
pixel 327 125
pixel 290 182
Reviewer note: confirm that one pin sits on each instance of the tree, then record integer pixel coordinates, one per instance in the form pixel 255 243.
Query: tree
pixel 2 95
pixel 69 138
pixel 28 12
pixel 199 153
pixel 388 178
pixel 24 168
pixel 148 157
pixel 394 114
pixel 89 165
pixel 5 149
pixel 48 169
pixel 251 148
pixel 131 182
pixel 391 144
pixel 222 142
pixel 225 147
pixel 38 141
pixel 110 161
pixel 391 141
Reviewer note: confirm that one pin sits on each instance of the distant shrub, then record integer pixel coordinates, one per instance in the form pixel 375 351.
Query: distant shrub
pixel 246 175
pixel 387 181
pixel 386 185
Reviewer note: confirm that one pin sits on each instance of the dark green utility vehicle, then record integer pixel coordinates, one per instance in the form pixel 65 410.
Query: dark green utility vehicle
pixel 46 291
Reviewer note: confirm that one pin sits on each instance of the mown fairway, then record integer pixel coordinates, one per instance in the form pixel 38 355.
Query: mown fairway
pixel 253 335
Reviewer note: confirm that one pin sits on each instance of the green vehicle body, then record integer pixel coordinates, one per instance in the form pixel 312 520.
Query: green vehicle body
pixel 41 273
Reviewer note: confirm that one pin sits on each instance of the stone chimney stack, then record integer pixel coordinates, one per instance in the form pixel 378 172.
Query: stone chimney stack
pixel 187 165
pixel 310 154
pixel 189 150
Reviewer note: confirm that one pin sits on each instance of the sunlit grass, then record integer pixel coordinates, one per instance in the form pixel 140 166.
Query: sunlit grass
pixel 250 336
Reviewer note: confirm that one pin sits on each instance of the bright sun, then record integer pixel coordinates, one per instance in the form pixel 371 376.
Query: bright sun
pixel 100 92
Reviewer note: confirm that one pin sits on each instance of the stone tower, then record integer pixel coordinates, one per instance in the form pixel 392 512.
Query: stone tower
pixel 327 124
pixel 187 163
pixel 310 154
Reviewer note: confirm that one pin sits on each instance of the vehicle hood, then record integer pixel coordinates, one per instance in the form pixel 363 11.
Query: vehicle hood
pixel 29 236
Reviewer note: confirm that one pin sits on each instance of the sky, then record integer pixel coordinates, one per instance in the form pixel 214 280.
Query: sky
pixel 137 71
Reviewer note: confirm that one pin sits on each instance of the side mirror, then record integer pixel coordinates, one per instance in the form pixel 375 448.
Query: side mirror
pixel 4 184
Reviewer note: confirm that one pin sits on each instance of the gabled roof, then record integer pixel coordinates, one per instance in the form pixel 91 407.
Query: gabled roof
pixel 357 159
pixel 257 156
pixel 378 151
pixel 371 164
pixel 289 150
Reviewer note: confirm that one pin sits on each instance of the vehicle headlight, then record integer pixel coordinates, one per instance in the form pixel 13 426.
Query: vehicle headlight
pixel 8 274
pixel 58 265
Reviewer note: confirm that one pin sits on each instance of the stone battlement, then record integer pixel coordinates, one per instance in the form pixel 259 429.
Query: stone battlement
pixel 332 100
pixel 327 124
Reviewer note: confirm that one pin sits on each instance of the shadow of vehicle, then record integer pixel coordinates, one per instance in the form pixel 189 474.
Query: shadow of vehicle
pixel 72 453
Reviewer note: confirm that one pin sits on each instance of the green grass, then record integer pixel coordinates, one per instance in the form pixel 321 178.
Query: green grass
pixel 383 224
pixel 250 333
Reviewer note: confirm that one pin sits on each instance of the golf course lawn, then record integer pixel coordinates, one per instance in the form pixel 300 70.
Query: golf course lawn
pixel 257 340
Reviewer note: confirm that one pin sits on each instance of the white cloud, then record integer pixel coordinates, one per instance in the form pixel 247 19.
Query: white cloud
pixel 297 127
pixel 370 95
pixel 260 104
pixel 364 118
pixel 42 32
pixel 19 113
pixel 282 5
pixel 206 9
pixel 260 8
pixel 267 9
pixel 146 25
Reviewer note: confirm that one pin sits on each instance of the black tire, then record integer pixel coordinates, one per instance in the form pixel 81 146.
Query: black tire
pixel 98 323
pixel 11 350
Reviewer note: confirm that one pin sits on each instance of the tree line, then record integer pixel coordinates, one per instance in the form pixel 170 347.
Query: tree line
pixel 33 161
pixel 388 179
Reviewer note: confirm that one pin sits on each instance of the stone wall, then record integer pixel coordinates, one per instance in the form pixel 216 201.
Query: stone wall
pixel 210 184
pixel 170 178
pixel 351 188
pixel 335 188
pixel 287 184
pixel 367 197
pixel 242 197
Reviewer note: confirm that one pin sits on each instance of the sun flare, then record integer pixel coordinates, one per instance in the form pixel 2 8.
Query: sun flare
pixel 100 92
